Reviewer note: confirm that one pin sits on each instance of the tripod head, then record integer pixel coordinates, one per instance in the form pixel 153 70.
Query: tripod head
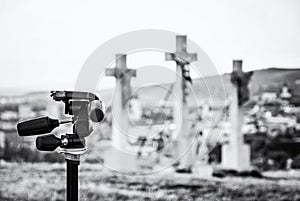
pixel 82 106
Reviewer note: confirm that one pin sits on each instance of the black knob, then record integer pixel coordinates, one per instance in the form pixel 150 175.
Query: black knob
pixel 38 126
pixel 97 115
pixel 47 142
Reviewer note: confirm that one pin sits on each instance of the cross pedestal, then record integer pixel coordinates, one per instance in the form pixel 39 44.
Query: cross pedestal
pixel 201 167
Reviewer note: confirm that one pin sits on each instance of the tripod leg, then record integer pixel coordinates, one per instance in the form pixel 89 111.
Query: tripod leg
pixel 72 180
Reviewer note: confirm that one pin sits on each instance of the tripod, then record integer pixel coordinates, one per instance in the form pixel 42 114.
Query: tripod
pixel 72 177
pixel 83 107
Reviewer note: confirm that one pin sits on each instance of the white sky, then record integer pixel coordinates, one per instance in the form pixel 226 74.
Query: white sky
pixel 43 44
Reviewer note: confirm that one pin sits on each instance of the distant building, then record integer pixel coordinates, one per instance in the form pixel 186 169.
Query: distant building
pixel 269 96
pixel 285 93
pixel 20 108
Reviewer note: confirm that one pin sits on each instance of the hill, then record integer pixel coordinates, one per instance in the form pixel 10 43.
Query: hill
pixel 219 87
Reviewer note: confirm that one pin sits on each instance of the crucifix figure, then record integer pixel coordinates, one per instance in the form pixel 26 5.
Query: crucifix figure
pixel 236 154
pixel 240 80
pixel 120 119
pixel 181 110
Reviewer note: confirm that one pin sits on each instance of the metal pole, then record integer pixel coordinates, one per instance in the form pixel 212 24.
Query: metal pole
pixel 72 180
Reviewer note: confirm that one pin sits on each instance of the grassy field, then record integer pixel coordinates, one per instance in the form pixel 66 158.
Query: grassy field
pixel 47 182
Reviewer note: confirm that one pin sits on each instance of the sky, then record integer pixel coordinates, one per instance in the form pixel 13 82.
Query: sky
pixel 45 43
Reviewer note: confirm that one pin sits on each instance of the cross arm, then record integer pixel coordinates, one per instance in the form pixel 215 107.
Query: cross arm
pixel 181 57
pixel 120 73
pixel 110 72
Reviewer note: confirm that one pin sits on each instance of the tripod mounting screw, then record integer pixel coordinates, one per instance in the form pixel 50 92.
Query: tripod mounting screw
pixel 72 157
pixel 64 141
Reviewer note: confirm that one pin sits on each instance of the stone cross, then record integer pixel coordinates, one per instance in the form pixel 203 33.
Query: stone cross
pixel 181 110
pixel 116 157
pixel 236 154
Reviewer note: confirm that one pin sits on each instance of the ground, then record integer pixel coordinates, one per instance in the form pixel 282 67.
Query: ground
pixel 42 181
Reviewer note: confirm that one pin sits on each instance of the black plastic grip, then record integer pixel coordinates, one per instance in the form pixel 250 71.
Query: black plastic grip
pixel 47 142
pixel 38 126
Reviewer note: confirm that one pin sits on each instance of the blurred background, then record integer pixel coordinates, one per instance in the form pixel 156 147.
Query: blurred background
pixel 44 45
